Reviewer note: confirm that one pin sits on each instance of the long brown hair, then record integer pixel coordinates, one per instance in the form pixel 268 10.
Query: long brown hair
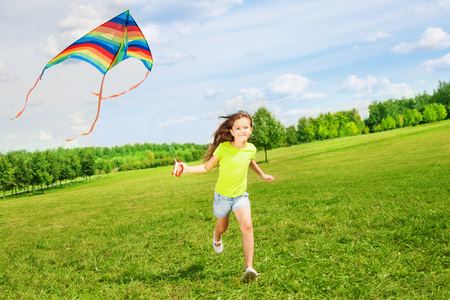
pixel 223 133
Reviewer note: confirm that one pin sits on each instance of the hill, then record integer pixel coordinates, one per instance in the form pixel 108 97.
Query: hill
pixel 355 217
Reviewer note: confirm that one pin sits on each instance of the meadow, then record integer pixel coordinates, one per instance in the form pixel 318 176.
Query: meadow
pixel 362 217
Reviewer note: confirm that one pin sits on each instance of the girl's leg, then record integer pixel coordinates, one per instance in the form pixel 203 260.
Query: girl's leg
pixel 244 217
pixel 221 227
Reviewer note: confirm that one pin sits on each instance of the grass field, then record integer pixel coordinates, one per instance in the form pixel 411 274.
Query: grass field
pixel 362 217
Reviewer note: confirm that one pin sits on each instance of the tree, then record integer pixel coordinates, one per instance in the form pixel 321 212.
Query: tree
pixel 322 132
pixel 410 117
pixel 291 136
pixel 400 121
pixel 22 174
pixel 268 133
pixel 351 129
pixel 442 95
pixel 417 117
pixel 388 123
pixel 441 112
pixel 39 170
pixel 6 175
pixel 54 168
pixel 87 161
pixel 70 167
pixel 341 120
pixel 103 165
pixel 332 124
pixel 422 100
pixel 429 114
pixel 11 159
pixel 305 132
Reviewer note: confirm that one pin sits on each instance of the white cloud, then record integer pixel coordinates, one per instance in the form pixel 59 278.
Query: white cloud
pixel 375 36
pixel 43 136
pixel 52 46
pixel 252 94
pixel 185 29
pixel 433 9
pixel 353 83
pixel 77 123
pixel 432 39
pixel 6 142
pixel 248 99
pixel 79 21
pixel 302 112
pixel 440 64
pixel 363 107
pixel 213 93
pixel 257 55
pixel 4 73
pixel 152 33
pixel 290 84
pixel 184 119
pixel 216 8
pixel 445 4
pixel 84 17
pixel 374 86
pixel 240 103
pixel 310 96
pixel 195 9
pixel 171 57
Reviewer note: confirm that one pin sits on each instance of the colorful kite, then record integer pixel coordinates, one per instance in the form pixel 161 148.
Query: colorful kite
pixel 104 47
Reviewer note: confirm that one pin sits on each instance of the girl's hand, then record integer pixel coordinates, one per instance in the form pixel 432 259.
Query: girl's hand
pixel 267 177
pixel 185 168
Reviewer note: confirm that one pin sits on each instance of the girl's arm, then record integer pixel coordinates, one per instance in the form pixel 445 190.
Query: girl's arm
pixel 254 166
pixel 205 168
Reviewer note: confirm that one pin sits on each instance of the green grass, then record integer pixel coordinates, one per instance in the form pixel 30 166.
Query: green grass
pixel 359 217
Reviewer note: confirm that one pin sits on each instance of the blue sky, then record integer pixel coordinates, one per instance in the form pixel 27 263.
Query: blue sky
pixel 297 58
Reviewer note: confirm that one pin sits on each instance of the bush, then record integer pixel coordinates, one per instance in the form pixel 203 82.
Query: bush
pixel 429 114
pixel 441 112
pixel 351 129
pixel 388 123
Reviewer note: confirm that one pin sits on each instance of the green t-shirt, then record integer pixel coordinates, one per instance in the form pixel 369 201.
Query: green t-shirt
pixel 233 167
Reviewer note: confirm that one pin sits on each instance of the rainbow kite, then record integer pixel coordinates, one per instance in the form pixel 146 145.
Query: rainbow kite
pixel 104 47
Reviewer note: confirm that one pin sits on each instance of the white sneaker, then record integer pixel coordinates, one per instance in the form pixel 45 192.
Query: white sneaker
pixel 250 274
pixel 218 249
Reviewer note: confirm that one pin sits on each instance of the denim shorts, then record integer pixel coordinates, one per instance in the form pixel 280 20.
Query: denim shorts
pixel 223 205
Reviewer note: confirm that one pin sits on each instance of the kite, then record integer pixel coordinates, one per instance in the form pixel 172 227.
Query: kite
pixel 105 47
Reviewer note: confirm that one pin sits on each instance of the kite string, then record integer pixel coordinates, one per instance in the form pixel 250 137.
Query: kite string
pixel 156 119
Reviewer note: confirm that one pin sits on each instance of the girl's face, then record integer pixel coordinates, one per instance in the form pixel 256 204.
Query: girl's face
pixel 241 130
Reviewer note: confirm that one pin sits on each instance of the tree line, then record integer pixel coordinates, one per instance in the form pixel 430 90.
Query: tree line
pixel 423 108
pixel 20 170
pixel 25 171
pixel 269 133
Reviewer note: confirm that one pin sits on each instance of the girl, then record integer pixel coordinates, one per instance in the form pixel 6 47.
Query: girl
pixel 234 154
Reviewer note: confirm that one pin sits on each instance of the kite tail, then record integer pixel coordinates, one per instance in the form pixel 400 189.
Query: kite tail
pixel 132 88
pixel 98 112
pixel 26 100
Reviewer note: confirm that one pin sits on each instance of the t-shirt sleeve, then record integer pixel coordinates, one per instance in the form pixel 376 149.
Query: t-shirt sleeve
pixel 253 152
pixel 218 152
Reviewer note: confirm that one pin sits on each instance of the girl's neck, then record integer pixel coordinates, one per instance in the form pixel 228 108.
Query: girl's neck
pixel 237 144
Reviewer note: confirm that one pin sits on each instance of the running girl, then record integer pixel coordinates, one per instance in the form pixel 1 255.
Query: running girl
pixel 234 154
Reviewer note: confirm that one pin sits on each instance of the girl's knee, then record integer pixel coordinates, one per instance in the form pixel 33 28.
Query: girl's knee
pixel 222 227
pixel 246 226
